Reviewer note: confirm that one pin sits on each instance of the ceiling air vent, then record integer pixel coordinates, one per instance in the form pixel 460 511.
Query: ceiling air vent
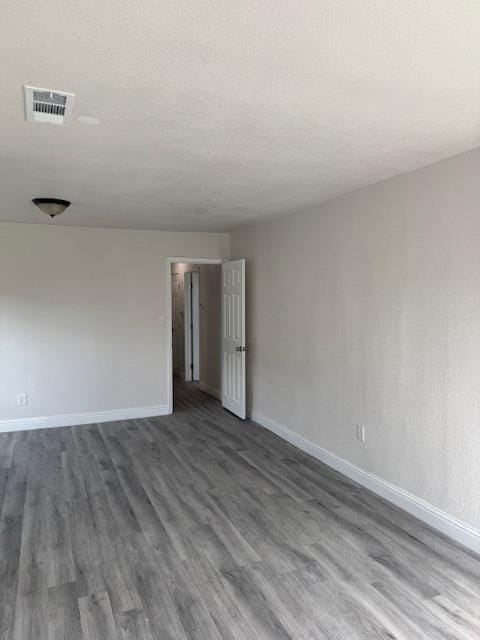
pixel 45 105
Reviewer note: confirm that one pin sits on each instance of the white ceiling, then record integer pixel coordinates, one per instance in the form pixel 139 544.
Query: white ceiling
pixel 215 113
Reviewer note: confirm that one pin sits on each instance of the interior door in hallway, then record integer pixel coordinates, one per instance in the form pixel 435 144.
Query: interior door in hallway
pixel 233 337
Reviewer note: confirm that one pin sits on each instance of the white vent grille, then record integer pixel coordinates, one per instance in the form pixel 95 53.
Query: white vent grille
pixel 45 105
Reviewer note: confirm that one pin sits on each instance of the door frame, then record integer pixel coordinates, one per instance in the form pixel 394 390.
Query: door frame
pixel 168 315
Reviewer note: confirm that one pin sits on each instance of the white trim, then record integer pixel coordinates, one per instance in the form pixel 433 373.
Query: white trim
pixel 212 391
pixel 197 260
pixel 168 317
pixel 74 419
pixel 443 522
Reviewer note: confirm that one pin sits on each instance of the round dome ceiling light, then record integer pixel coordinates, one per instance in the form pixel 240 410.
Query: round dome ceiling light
pixel 51 206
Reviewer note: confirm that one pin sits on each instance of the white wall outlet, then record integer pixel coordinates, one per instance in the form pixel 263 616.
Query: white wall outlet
pixel 360 433
pixel 22 399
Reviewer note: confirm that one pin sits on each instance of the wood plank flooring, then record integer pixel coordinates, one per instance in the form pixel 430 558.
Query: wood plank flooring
pixel 198 526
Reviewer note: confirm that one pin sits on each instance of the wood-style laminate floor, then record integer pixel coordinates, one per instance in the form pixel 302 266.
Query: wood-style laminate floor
pixel 200 526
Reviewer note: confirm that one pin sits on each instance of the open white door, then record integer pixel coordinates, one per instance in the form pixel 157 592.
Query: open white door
pixel 233 337
pixel 191 309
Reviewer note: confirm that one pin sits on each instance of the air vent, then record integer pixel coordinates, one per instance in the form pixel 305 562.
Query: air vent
pixel 45 105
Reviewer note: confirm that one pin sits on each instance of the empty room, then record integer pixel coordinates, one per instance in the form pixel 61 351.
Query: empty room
pixel 240 320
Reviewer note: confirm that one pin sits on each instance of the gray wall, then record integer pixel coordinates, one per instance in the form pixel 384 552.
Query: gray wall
pixel 366 310
pixel 83 316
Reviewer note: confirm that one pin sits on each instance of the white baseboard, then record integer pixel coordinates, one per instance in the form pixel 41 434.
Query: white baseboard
pixel 216 393
pixel 439 520
pixel 74 419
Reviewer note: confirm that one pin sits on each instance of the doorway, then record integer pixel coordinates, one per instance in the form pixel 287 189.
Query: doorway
pixel 221 329
pixel 196 329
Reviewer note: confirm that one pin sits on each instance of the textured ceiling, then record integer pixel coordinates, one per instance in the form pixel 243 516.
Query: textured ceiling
pixel 215 113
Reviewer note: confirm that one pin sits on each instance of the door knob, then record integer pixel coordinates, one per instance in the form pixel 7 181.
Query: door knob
pixel 241 348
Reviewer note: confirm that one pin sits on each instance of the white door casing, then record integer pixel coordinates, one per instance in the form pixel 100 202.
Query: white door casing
pixel 233 337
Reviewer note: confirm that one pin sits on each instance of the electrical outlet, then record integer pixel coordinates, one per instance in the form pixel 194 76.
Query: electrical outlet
pixel 360 433
pixel 22 399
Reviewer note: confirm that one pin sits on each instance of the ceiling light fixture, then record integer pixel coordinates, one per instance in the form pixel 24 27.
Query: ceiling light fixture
pixel 51 206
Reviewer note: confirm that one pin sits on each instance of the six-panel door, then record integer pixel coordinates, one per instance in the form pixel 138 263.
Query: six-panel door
pixel 233 337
